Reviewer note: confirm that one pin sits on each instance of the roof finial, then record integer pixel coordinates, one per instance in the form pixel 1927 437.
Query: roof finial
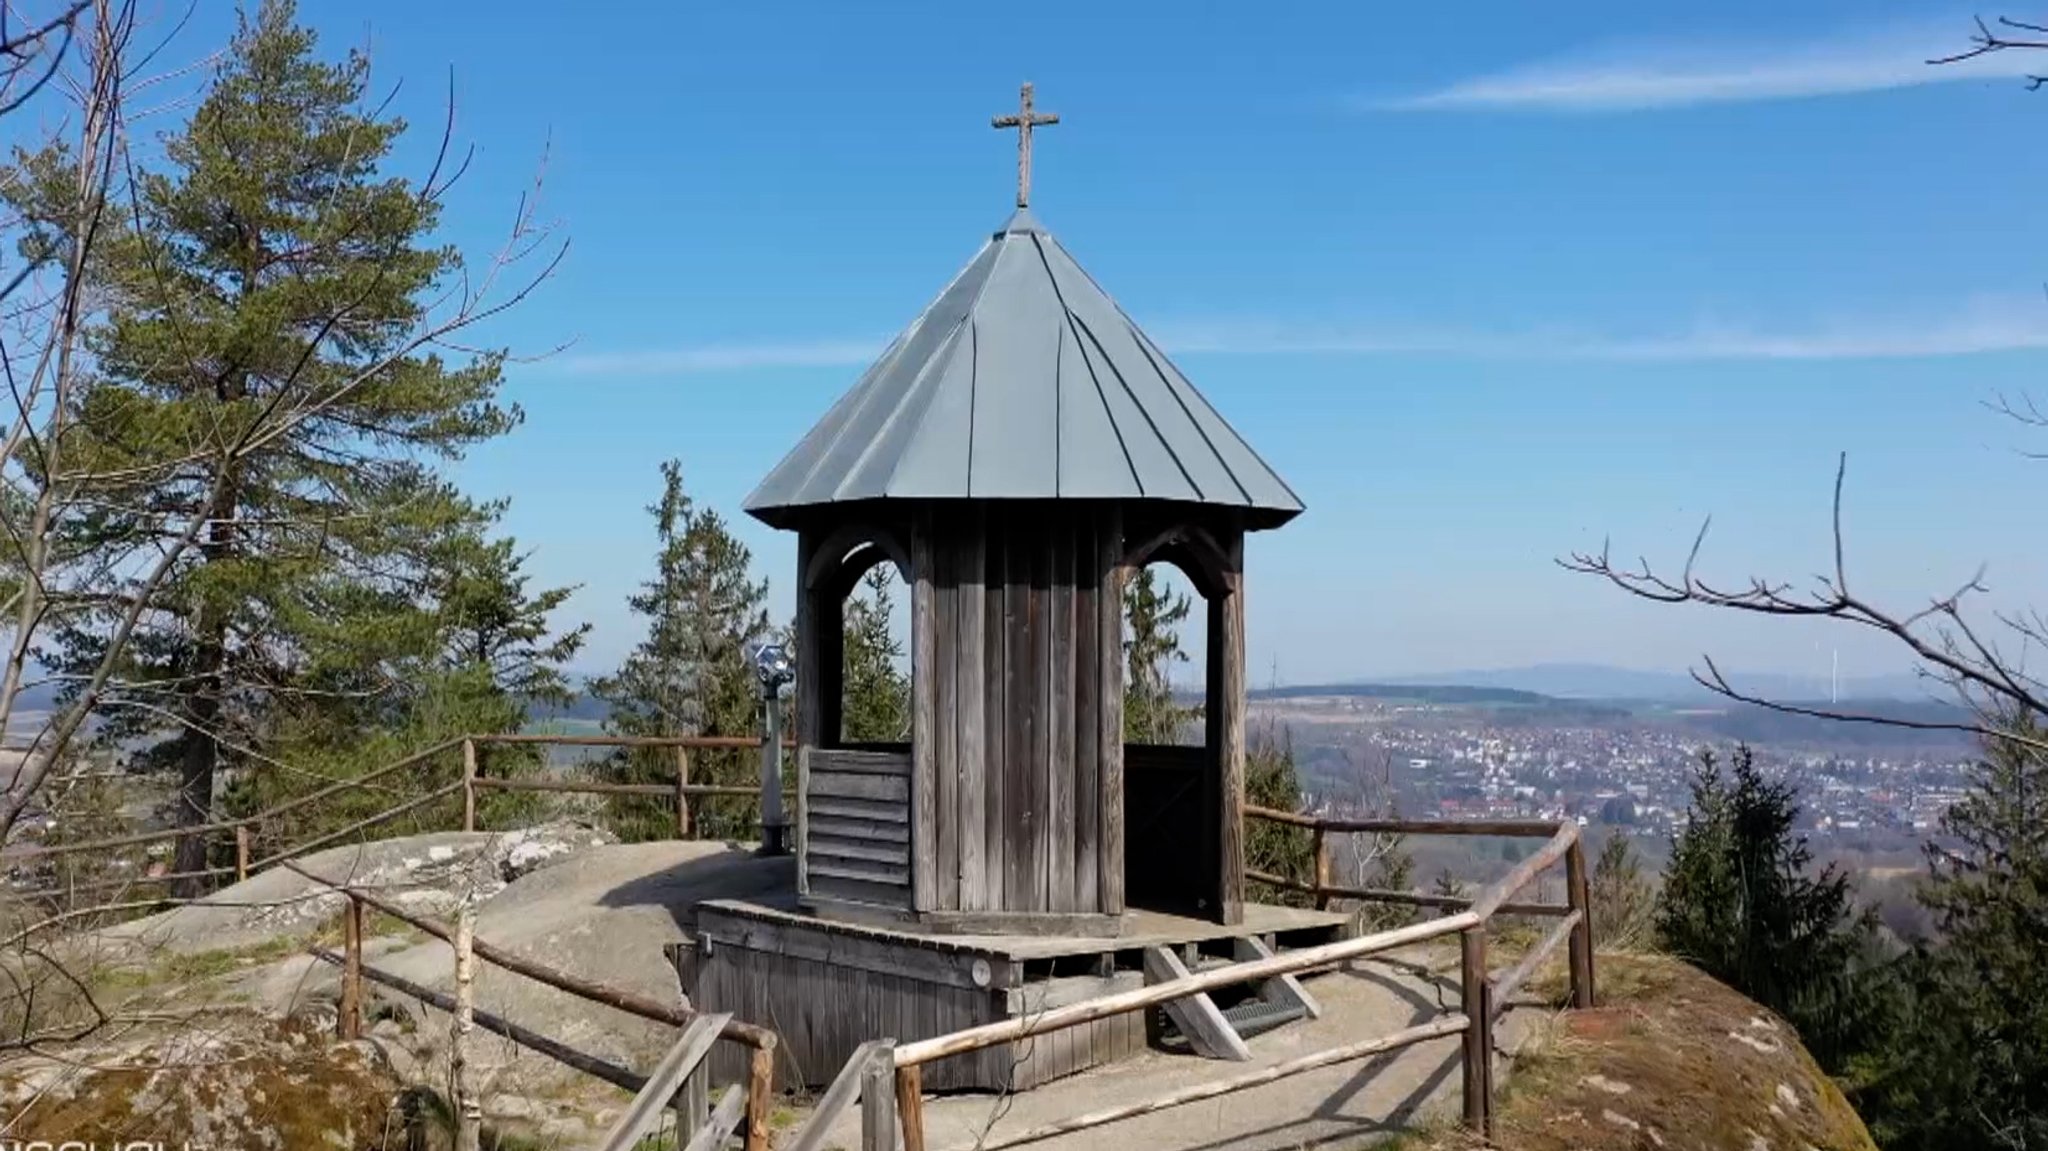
pixel 1024 121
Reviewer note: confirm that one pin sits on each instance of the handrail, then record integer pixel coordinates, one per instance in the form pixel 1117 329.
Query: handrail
pixel 643 1115
pixel 619 999
pixel 1088 1010
pixel 1484 997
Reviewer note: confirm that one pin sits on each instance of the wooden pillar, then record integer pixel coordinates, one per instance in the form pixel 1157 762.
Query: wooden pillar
pixel 1230 734
pixel 1478 1054
pixel 1110 712
pixel 1579 898
pixel 809 719
pixel 878 1099
pixel 924 744
pixel 241 852
pixel 910 1106
pixel 760 1095
pixel 349 1016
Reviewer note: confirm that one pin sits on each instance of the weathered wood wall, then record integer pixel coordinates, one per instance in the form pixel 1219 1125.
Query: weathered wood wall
pixel 1025 704
pixel 1016 787
pixel 825 989
pixel 853 826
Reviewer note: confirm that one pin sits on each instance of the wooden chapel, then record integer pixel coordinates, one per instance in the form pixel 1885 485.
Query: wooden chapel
pixel 1017 450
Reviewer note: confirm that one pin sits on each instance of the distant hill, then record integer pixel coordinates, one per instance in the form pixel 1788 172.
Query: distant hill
pixel 1602 681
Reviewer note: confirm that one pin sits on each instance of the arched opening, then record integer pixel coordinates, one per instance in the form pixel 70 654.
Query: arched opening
pixel 874 659
pixel 1175 591
pixel 857 585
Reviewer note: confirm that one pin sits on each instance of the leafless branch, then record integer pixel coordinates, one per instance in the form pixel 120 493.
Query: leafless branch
pixel 1948 647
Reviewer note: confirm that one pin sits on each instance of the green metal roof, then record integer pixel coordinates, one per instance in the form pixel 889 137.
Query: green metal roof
pixel 1023 380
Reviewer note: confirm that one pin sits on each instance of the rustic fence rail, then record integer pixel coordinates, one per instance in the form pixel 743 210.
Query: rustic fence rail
pixel 243 833
pixel 680 1081
pixel 885 1075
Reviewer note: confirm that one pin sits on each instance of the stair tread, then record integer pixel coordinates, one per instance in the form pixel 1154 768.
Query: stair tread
pixel 1250 1018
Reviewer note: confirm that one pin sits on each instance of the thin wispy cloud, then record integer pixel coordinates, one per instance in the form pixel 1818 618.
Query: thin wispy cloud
pixel 1973 327
pixel 707 358
pixel 1665 75
pixel 1976 327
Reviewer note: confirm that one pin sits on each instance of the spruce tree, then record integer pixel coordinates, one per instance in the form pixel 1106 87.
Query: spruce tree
pixel 1968 1063
pixel 1742 903
pixel 689 675
pixel 261 384
pixel 1153 613
pixel 876 698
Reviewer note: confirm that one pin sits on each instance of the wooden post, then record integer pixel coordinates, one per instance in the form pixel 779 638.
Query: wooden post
pixel 241 852
pixel 682 795
pixel 349 1021
pixel 878 1100
pixel 468 1108
pixel 910 1106
pixel 1478 1033
pixel 760 1094
pixel 1322 871
pixel 469 785
pixel 1580 899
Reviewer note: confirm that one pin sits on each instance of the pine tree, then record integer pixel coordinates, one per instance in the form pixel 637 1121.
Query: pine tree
pixel 476 651
pixel 260 379
pixel 1153 613
pixel 877 692
pixel 1741 903
pixel 689 676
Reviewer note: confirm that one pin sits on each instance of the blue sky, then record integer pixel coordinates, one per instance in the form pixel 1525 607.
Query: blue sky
pixel 1484 285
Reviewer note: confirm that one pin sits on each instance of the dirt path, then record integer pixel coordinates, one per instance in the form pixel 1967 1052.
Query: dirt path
pixel 1340 1106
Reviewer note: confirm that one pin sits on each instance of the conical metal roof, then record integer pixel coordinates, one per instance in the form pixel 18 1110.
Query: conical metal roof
pixel 1023 380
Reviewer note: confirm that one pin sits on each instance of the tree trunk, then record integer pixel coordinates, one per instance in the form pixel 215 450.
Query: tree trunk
pixel 199 754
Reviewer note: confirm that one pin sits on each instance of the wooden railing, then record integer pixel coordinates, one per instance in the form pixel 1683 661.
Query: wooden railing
pixel 885 1076
pixel 679 1082
pixel 471 785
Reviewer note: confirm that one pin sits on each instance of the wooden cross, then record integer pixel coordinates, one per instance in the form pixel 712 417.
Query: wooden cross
pixel 1024 121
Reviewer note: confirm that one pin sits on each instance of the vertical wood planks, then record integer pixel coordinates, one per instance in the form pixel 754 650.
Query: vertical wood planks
pixel 995 724
pixel 971 664
pixel 1061 838
pixel 942 650
pixel 924 846
pixel 1110 718
pixel 1038 713
pixel 1019 829
pixel 1085 681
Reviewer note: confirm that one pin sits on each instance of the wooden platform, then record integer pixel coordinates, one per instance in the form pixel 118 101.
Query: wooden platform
pixel 826 986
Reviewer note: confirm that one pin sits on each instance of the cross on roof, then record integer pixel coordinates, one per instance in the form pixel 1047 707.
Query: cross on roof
pixel 1024 121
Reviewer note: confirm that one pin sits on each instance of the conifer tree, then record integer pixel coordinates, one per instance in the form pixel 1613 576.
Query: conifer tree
pixel 689 675
pixel 264 385
pixel 876 706
pixel 1153 613
pixel 1741 902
